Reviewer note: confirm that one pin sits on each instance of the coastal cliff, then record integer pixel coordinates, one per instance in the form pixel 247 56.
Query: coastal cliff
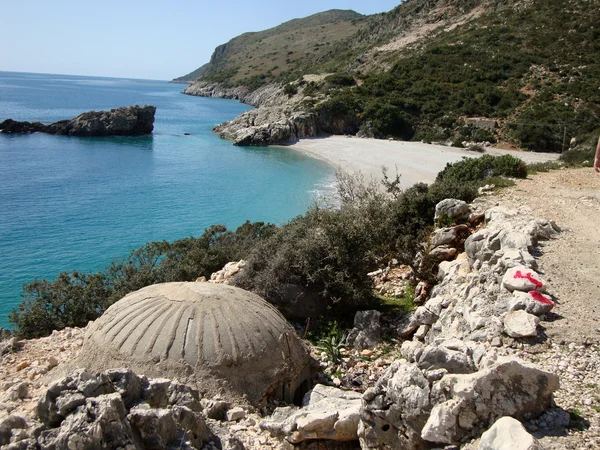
pixel 279 118
pixel 125 121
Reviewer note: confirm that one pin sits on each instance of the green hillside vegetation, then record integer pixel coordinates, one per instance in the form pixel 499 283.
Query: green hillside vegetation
pixel 534 69
pixel 256 58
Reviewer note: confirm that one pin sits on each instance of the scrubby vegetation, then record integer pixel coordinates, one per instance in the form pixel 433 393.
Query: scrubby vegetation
pixel 327 251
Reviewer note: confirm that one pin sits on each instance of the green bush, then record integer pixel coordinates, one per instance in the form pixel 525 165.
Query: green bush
pixel 340 79
pixel 579 156
pixel 478 169
pixel 290 90
pixel 71 300
pixel 388 120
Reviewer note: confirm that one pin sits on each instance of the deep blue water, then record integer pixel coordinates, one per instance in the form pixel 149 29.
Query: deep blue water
pixel 76 203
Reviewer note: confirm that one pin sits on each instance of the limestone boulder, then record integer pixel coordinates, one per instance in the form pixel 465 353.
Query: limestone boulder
pixel 519 324
pixel 522 278
pixel 533 302
pixel 118 409
pixel 475 401
pixel 9 425
pixel 228 272
pixel 396 409
pixel 366 333
pixel 508 433
pixel 414 408
pixel 440 357
pixel 327 413
pixel 453 209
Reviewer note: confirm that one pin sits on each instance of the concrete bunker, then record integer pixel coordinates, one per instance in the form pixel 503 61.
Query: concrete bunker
pixel 219 338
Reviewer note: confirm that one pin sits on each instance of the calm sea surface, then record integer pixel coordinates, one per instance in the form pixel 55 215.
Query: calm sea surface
pixel 76 203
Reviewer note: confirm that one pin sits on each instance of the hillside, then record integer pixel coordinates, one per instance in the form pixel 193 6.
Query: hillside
pixel 258 57
pixel 519 73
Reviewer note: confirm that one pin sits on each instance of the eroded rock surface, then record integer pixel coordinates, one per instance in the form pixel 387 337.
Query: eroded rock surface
pixel 327 413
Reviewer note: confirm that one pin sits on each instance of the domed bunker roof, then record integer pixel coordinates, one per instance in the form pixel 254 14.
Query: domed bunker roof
pixel 223 339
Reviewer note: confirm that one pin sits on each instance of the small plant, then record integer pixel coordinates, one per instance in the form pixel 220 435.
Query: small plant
pixel 444 220
pixel 332 346
pixel 578 422
pixel 543 166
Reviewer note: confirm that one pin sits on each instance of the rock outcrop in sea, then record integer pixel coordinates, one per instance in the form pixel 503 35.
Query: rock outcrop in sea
pixel 125 121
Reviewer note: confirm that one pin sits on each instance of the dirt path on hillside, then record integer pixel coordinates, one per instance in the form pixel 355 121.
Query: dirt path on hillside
pixel 571 263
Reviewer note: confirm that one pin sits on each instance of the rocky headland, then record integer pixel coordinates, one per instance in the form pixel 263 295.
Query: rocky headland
pixel 125 121
pixel 483 362
pixel 279 118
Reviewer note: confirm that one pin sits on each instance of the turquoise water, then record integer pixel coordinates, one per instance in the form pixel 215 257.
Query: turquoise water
pixel 76 203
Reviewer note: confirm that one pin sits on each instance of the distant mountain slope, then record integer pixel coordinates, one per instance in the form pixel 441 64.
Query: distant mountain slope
pixel 520 72
pixel 255 58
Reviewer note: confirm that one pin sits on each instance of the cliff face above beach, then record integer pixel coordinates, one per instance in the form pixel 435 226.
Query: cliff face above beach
pixel 125 121
pixel 519 74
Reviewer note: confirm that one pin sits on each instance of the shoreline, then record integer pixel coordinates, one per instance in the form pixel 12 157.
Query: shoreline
pixel 416 162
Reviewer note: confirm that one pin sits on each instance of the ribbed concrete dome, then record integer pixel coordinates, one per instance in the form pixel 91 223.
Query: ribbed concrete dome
pixel 222 336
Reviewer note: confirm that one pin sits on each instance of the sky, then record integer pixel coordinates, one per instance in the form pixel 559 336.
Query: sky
pixel 149 39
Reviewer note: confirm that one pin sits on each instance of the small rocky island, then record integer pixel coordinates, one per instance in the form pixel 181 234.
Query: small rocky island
pixel 125 121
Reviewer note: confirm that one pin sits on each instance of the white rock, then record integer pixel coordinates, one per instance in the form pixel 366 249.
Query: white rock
pixel 317 422
pixel 521 278
pixel 518 324
pixel 441 422
pixel 533 302
pixel 327 413
pixel 454 209
pixel 508 434
pixel 422 331
pixel 235 414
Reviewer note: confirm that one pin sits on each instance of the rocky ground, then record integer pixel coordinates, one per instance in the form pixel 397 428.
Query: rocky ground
pixel 566 342
pixel 570 264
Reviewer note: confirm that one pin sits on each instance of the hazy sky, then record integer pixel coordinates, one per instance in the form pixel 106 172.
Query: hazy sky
pixel 139 39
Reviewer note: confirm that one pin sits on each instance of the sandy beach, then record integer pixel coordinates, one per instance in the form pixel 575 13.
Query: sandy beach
pixel 416 162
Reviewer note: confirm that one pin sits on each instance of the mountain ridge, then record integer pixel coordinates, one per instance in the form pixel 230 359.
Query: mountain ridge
pixel 518 72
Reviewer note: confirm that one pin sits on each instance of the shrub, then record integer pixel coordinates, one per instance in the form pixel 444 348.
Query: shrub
pixel 71 300
pixel 290 90
pixel 543 166
pixel 476 148
pixel 478 169
pixel 327 251
pixel 388 120
pixel 339 80
pixel 579 156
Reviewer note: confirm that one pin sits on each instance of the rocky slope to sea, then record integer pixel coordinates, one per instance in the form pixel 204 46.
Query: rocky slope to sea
pixel 277 119
pixel 476 365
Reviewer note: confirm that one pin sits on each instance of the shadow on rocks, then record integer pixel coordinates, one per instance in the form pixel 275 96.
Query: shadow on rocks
pixel 557 422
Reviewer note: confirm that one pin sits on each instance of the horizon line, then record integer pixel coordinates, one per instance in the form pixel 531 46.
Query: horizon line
pixel 87 76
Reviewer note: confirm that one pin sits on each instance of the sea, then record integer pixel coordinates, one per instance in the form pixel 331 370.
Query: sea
pixel 77 203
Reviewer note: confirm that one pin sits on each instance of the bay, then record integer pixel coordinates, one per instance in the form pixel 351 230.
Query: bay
pixel 76 203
